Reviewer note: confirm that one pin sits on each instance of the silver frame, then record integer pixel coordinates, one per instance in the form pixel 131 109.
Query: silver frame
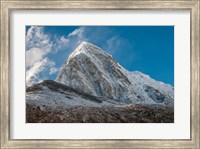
pixel 6 7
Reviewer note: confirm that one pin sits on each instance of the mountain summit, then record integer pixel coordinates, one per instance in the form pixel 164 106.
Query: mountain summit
pixel 90 70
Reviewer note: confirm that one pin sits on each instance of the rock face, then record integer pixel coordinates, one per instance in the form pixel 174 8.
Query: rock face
pixel 92 71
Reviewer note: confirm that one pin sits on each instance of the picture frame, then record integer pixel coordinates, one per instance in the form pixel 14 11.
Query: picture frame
pixel 8 6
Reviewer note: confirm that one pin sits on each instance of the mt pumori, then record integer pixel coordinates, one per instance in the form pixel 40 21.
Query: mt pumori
pixel 91 70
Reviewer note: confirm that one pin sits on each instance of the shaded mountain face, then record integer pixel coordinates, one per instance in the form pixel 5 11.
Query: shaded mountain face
pixel 92 71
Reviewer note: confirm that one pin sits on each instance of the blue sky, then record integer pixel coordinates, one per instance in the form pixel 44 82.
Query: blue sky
pixel 149 49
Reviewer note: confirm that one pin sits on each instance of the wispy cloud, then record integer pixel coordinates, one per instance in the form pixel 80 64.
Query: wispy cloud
pixel 78 32
pixel 36 38
pixel 113 44
pixel 76 37
pixel 39 71
pixel 38 45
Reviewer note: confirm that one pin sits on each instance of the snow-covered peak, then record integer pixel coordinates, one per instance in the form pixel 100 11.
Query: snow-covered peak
pixel 91 70
pixel 88 49
pixel 86 46
pixel 87 43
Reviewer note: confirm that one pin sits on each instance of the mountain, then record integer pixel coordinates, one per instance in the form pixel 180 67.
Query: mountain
pixel 92 71
pixel 93 88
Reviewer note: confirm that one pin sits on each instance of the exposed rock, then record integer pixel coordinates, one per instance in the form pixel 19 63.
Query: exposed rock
pixel 85 114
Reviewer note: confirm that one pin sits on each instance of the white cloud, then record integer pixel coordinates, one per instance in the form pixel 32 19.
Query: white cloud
pixel 70 41
pixel 34 74
pixel 36 38
pixel 60 43
pixel 53 70
pixel 38 45
pixel 76 37
pixel 32 56
pixel 78 32
pixel 64 40
pixel 113 43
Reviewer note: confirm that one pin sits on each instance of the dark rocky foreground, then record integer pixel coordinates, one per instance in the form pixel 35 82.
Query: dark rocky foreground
pixel 86 114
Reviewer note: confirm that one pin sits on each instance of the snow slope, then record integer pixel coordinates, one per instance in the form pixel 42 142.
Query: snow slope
pixel 54 95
